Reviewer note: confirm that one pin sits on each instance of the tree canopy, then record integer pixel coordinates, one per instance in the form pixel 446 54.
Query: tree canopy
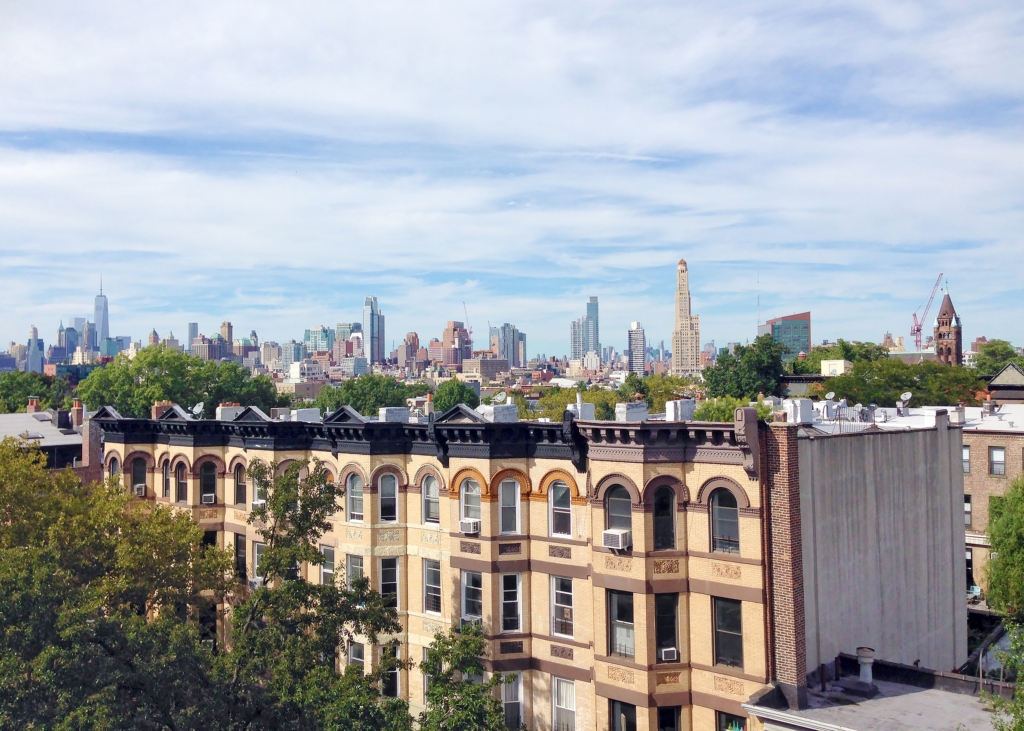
pixel 995 354
pixel 368 393
pixel 454 392
pixel 724 409
pixel 882 382
pixel 157 373
pixel 842 350
pixel 17 386
pixel 752 369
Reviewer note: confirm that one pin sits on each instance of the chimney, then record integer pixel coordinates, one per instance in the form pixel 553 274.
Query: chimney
pixel 988 408
pixel 77 413
pixel 33 405
pixel 159 408
pixel 428 408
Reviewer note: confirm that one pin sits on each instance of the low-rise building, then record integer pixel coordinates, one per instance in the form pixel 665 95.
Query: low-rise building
pixel 484 370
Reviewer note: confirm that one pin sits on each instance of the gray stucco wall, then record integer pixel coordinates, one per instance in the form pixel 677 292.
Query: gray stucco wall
pixel 883 546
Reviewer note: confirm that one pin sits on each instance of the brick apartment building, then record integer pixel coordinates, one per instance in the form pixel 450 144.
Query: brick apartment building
pixel 750 554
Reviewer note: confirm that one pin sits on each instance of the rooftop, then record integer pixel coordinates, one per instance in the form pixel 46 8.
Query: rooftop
pixel 39 427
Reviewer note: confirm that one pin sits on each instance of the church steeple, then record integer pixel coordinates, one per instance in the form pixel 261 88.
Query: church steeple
pixel 948 333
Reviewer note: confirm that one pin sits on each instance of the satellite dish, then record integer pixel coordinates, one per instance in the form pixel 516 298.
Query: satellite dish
pixel 499 398
pixel 859 406
pixel 830 395
pixel 906 396
pixel 198 408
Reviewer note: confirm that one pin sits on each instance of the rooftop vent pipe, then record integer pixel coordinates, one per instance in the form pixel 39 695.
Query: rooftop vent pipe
pixel 866 658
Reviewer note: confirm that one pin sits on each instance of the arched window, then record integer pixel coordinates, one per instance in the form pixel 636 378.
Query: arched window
pixel 182 480
pixel 561 509
pixel 725 522
pixel 115 467
pixel 239 485
pixel 388 487
pixel 431 500
pixel 208 483
pixel 470 495
pixel 354 489
pixel 139 472
pixel 167 479
pixel 618 508
pixel 508 497
pixel 664 519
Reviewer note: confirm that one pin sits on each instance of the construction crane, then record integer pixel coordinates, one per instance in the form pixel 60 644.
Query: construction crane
pixel 915 331
pixel 469 328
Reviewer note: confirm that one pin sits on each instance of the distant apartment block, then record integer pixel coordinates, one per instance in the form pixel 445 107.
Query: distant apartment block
pixel 793 331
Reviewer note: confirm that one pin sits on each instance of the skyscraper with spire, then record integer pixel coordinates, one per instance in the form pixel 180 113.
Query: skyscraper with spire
pixel 100 316
pixel 686 336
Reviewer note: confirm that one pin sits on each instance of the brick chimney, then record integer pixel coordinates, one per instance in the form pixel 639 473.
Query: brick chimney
pixel 77 413
pixel 33 405
pixel 159 408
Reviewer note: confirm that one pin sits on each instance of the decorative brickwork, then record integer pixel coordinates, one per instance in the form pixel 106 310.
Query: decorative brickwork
pixel 726 571
pixel 430 537
pixel 565 653
pixel 469 547
pixel 617 564
pixel 559 552
pixel 668 678
pixel 432 627
pixel 511 648
pixel 620 674
pixel 388 536
pixel 666 566
pixel 728 685
pixel 354 535
pixel 506 549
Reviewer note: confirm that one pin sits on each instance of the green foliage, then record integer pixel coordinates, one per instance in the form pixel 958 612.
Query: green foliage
pixel 16 387
pixel 454 392
pixel 752 369
pixel 156 373
pixel 1006 562
pixel 842 350
pixel 455 703
pixel 995 354
pixel 724 409
pixel 662 388
pixel 368 393
pixel 881 382
pixel 554 401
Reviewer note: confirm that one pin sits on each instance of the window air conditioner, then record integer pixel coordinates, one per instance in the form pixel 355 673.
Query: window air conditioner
pixel 140 490
pixel 469 526
pixel 255 583
pixel 257 504
pixel 618 538
pixel 668 654
pixel 209 499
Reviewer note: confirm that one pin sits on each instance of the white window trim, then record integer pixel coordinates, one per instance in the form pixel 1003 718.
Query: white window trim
pixel 464 615
pixel 555 680
pixel 398 578
pixel 552 606
pixel 440 592
pixel 501 489
pixel 257 551
pixel 349 498
pixel 551 515
pixel 519 602
pixel 462 499
pixel 380 498
pixel 348 566
pixel 424 506
pixel 323 567
pixel 517 685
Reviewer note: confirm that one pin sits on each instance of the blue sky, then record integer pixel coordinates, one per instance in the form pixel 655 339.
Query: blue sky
pixel 273 164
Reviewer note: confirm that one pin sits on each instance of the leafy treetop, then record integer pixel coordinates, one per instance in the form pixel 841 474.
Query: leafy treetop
pixel 994 355
pixel 367 394
pixel 17 386
pixel 882 382
pixel 750 370
pixel 454 392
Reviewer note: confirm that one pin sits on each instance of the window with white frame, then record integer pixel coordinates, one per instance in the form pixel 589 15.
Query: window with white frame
pixel 354 489
pixel 257 559
pixel 512 699
pixel 389 581
pixel 327 567
pixel 510 602
pixel 431 586
pixel 561 509
pixel 388 498
pixel 967 459
pixel 564 703
pixel 997 460
pixel 561 606
pixel 356 655
pixel 621 635
pixel 508 500
pixel 431 500
pixel 472 595
pixel 167 479
pixel 355 568
pixel 470 494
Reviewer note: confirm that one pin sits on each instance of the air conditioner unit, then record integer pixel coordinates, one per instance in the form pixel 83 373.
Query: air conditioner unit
pixel 140 490
pixel 256 583
pixel 257 504
pixel 209 499
pixel 469 526
pixel 618 538
pixel 668 654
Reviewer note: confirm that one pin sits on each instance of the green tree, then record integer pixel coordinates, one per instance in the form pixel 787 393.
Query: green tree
pixel 454 701
pixel 367 394
pixel 17 386
pixel 156 373
pixel 882 382
pixel 554 401
pixel 842 350
pixel 724 409
pixel 454 392
pixel 752 369
pixel 995 354
pixel 662 388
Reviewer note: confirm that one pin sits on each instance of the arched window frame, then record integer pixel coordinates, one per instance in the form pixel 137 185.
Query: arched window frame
pixel 470 494
pixel 559 515
pixel 722 539
pixel 664 499
pixel 138 475
pixel 431 488
pixel 354 491
pixel 208 481
pixel 167 479
pixel 509 507
pixel 114 467
pixel 240 490
pixel 620 495
pixel 387 494
pixel 181 483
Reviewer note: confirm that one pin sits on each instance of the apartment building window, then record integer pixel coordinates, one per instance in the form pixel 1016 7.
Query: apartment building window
pixel 619 508
pixel 208 482
pixel 669 718
pixel 728 623
pixel 139 472
pixel 728 722
pixel 327 567
pixel 967 459
pixel 510 587
pixel 561 509
pixel 564 697
pixel 561 606
pixel 355 568
pixel 182 487
pixel 512 699
pixel 257 561
pixel 470 494
pixel 431 586
pixel 622 716
pixel 389 581
pixel 969 559
pixel 240 565
pixel 997 460
pixel 472 595
pixel 115 467
pixel 431 500
pixel 967 511
pixel 356 655
pixel 664 519
pixel 354 488
pixel 666 608
pixel 725 522
pixel 388 498
pixel 426 677
pixel 509 505
pixel 239 485
pixel 167 479
pixel 389 687
pixel 621 638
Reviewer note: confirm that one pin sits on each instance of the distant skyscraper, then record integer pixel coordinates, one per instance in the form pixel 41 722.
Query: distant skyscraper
pixel 344 330
pixel 34 359
pixel 193 333
pixel 592 334
pixel 456 345
pixel 512 345
pixel 319 338
pixel 373 331
pixel 637 348
pixel 578 338
pixel 793 331
pixel 100 316
pixel 227 331
pixel 686 337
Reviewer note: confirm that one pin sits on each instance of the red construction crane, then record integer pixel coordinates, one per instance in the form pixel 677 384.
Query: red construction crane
pixel 915 331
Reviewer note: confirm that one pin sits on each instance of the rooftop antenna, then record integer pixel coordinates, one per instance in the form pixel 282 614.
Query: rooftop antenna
pixel 101 284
